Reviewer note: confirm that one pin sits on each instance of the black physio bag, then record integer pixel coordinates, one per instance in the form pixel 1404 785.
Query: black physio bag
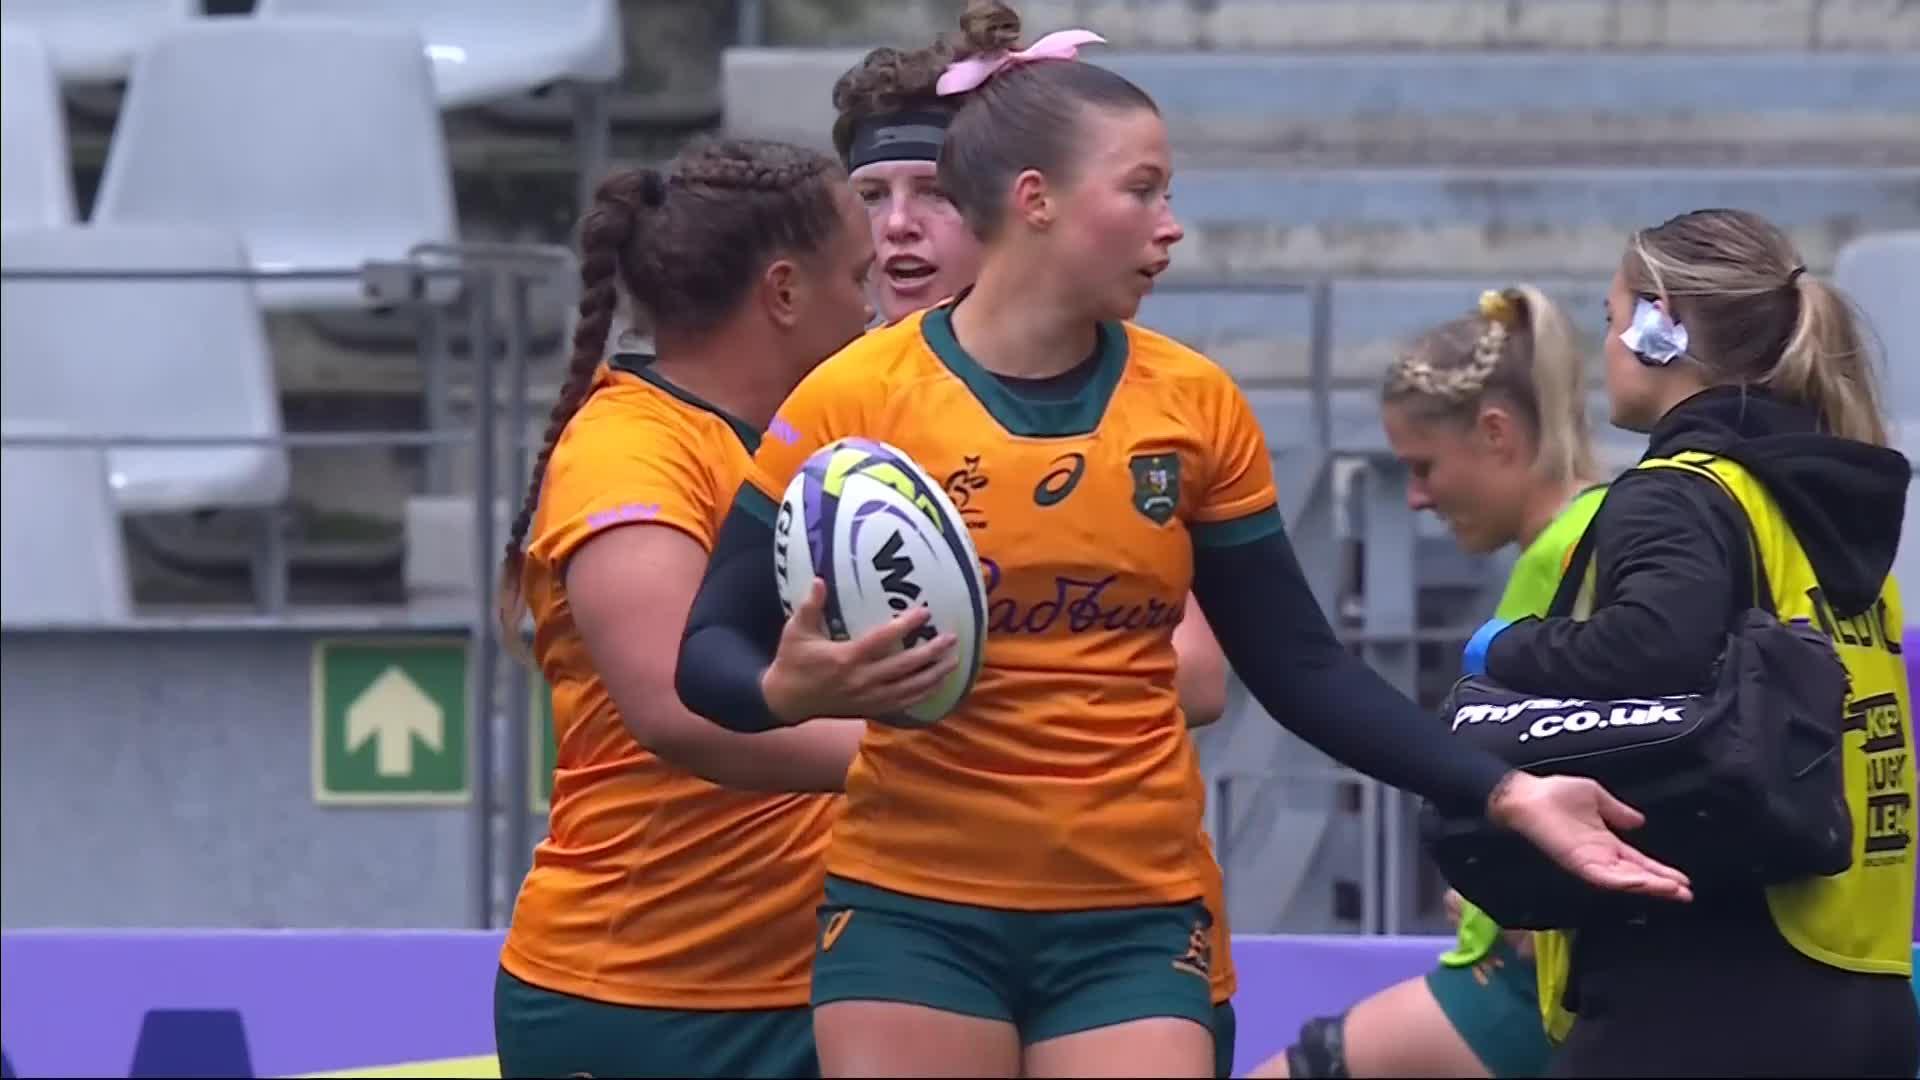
pixel 1742 783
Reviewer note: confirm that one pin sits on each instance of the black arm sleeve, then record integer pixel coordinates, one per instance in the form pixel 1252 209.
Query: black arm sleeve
pixel 1669 548
pixel 1278 640
pixel 734 627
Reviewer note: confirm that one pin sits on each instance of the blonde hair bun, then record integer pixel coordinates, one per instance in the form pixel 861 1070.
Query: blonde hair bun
pixel 1495 306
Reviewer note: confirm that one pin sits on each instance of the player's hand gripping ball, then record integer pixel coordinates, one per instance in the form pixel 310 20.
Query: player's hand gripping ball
pixel 873 526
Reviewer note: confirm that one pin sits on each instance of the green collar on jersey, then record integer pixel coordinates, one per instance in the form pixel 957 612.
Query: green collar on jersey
pixel 640 365
pixel 1025 417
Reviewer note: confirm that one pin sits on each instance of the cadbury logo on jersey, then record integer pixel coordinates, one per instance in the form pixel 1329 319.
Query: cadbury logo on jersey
pixel 1076 605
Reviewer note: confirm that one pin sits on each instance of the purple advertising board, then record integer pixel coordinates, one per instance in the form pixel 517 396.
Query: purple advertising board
pixel 298 1003
pixel 387 1003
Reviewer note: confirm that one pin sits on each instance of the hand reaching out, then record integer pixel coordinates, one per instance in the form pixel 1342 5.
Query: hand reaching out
pixel 1577 823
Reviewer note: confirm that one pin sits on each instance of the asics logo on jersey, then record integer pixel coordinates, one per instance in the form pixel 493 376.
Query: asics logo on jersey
pixel 1077 605
pixel 1061 480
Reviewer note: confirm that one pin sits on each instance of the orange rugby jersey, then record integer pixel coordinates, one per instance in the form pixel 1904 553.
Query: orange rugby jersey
pixel 1067 778
pixel 654 887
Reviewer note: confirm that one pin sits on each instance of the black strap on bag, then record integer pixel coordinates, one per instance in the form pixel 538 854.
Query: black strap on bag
pixel 1741 782
pixel 1573 578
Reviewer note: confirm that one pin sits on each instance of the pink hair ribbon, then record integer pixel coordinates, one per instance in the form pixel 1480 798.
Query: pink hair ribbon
pixel 964 75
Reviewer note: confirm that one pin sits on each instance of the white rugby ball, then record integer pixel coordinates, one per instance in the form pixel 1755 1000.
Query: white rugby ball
pixel 866 519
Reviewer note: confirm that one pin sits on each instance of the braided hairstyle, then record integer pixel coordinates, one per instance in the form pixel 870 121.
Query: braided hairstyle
pixel 1519 349
pixel 685 247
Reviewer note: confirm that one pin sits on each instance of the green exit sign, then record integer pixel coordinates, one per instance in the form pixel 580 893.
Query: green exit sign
pixel 390 721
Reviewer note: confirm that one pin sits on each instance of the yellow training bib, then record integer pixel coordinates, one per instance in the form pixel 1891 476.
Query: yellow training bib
pixel 1861 919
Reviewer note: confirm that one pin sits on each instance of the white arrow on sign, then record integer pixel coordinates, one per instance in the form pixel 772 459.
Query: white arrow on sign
pixel 394 711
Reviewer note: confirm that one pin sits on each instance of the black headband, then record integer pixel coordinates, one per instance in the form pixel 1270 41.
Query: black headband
pixel 910 135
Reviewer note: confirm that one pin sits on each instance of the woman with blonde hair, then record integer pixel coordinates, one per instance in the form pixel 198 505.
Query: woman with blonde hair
pixel 1487 412
pixel 1768 480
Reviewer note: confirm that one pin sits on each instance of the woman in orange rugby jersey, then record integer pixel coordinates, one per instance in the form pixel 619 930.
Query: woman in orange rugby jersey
pixel 666 927
pixel 888 133
pixel 1014 891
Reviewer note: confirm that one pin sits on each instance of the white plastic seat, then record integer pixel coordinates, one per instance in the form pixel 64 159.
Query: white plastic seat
pixel 95 41
pixel 488 49
pixel 33 135
pixel 317 141
pixel 1880 272
pixel 62 557
pixel 146 358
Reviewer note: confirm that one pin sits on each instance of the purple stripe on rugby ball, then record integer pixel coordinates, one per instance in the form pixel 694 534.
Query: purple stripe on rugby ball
pixel 866 511
pixel 814 514
pixel 854 442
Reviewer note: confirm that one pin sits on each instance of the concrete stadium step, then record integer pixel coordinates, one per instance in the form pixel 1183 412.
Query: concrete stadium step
pixel 1263 333
pixel 1556 107
pixel 1503 222
pixel 1235 25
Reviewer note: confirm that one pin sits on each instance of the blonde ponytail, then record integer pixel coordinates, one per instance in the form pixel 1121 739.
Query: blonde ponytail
pixel 1559 379
pixel 1827 366
pixel 1517 348
pixel 1755 316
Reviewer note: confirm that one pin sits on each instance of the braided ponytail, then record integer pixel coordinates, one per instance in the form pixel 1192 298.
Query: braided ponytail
pixel 1518 347
pixel 683 248
pixel 606 231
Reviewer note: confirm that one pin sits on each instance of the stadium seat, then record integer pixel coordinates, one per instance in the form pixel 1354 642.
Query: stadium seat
pixel 150 357
pixel 62 557
pixel 95 41
pixel 1880 272
pixel 316 140
pixel 33 139
pixel 488 49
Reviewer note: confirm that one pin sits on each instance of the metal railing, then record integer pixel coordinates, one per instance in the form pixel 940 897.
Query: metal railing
pixel 485 273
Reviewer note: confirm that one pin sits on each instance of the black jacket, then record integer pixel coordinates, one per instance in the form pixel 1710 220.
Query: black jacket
pixel 1671 549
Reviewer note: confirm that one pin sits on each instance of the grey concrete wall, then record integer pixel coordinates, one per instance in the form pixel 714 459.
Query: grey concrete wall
pixel 1376 107
pixel 164 779
pixel 1279 24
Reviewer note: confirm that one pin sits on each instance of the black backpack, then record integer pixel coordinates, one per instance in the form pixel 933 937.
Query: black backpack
pixel 1742 783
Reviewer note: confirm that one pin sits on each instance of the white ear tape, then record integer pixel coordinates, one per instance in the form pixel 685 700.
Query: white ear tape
pixel 1654 337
